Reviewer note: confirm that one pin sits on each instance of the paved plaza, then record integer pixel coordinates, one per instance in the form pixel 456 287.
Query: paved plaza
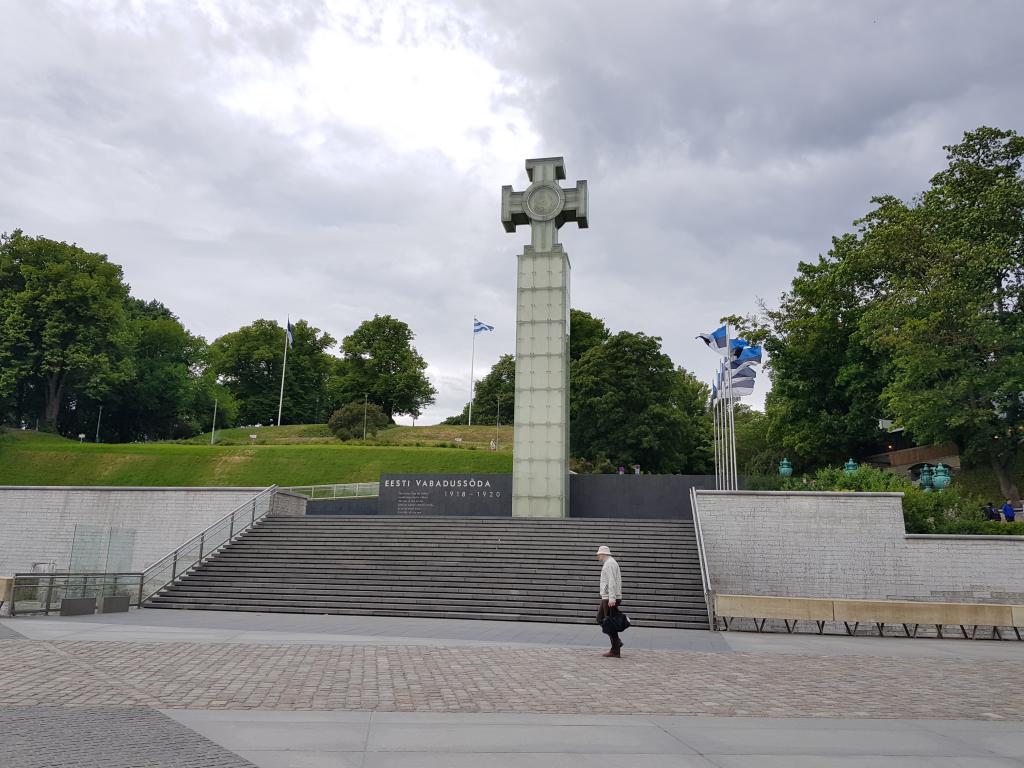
pixel 158 688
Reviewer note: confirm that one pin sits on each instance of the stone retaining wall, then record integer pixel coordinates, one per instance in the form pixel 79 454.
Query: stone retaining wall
pixel 848 545
pixel 129 528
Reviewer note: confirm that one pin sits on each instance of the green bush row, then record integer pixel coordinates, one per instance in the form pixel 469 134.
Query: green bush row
pixel 952 511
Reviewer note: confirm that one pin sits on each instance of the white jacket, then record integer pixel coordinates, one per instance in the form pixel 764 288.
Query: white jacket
pixel 611 580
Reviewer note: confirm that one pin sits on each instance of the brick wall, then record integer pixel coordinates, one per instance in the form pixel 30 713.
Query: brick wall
pixel 38 524
pixel 848 545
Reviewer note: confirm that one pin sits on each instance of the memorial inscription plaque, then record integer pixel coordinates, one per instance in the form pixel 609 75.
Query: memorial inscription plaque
pixel 483 495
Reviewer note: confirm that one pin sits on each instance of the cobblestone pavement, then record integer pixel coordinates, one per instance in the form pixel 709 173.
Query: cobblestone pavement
pixel 90 737
pixel 498 679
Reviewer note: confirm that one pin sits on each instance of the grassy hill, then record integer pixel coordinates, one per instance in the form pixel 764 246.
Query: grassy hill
pixel 290 455
pixel 437 436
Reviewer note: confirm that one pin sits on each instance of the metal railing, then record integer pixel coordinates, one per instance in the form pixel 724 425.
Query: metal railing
pixel 175 564
pixel 43 592
pixel 336 491
pixel 705 574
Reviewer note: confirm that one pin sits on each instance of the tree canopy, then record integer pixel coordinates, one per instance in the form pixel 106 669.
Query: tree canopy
pixel 64 329
pixel 249 361
pixel 630 404
pixel 380 362
pixel 918 316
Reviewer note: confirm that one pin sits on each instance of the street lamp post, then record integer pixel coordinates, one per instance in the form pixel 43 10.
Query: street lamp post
pixel 366 397
pixel 100 416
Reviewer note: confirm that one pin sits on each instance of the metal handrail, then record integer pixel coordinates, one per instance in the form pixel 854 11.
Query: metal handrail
pixel 705 574
pixel 336 490
pixel 208 541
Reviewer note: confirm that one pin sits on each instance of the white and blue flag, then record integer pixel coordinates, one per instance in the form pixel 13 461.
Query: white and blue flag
pixel 715 340
pixel 290 332
pixel 748 353
pixel 479 327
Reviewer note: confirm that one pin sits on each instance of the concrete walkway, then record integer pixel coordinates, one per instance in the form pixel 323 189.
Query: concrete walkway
pixel 196 688
pixel 404 740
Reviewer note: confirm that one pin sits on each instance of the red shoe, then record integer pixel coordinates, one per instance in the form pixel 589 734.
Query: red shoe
pixel 611 654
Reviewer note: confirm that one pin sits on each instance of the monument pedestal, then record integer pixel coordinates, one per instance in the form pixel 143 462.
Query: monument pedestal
pixel 541 447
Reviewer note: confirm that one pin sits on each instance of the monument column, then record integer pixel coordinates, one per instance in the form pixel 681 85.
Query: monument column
pixel 540 459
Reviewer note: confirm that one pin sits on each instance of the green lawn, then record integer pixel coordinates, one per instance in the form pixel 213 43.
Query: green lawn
pixel 440 435
pixel 29 458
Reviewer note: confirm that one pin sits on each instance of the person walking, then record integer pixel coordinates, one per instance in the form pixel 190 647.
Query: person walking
pixel 611 596
pixel 1008 512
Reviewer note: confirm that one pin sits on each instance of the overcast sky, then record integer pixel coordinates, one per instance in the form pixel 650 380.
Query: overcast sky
pixel 333 160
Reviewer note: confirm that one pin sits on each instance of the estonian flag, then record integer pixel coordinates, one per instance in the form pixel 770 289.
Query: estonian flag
pixel 742 387
pixel 479 327
pixel 738 366
pixel 747 374
pixel 748 354
pixel 290 332
pixel 715 340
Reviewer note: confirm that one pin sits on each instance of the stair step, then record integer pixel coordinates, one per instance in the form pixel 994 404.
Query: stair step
pixel 482 568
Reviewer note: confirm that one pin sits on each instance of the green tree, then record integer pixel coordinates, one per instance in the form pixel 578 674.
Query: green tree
pixel 381 363
pixel 495 391
pixel 754 452
pixel 824 403
pixel 63 325
pixel 947 302
pixel 630 404
pixel 155 401
pixel 248 362
pixel 585 332
pixel 351 421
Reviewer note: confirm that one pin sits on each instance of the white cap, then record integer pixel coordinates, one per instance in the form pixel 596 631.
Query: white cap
pixel 603 550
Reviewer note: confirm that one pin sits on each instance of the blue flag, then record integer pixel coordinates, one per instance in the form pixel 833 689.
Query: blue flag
pixel 751 354
pixel 715 340
pixel 479 327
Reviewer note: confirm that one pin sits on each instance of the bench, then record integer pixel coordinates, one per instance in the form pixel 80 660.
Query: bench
pixel 908 613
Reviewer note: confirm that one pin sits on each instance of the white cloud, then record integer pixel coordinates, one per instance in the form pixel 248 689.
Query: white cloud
pixel 333 160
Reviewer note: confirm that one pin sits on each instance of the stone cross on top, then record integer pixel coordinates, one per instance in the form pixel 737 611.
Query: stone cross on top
pixel 544 205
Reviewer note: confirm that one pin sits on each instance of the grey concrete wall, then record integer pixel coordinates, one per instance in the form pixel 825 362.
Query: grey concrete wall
pixel 638 497
pixel 38 524
pixel 848 545
pixel 288 504
pixel 361 505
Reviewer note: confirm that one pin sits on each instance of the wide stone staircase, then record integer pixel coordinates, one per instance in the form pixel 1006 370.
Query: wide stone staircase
pixel 467 568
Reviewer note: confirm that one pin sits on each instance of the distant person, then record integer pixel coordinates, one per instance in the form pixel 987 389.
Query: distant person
pixel 611 596
pixel 989 511
pixel 1008 512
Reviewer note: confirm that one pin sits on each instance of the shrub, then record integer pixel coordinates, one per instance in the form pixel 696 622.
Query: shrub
pixel 953 511
pixel 346 423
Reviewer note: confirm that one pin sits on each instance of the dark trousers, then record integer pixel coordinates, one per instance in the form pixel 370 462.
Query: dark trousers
pixel 603 612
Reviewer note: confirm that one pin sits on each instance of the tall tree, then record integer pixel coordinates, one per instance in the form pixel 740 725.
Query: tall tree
pixel 824 403
pixel 381 364
pixel 585 331
pixel 947 305
pixel 630 404
pixel 248 362
pixel 63 324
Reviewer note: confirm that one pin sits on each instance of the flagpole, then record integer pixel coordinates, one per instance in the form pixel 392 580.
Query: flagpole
pixel 472 363
pixel 732 418
pixel 714 422
pixel 280 399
